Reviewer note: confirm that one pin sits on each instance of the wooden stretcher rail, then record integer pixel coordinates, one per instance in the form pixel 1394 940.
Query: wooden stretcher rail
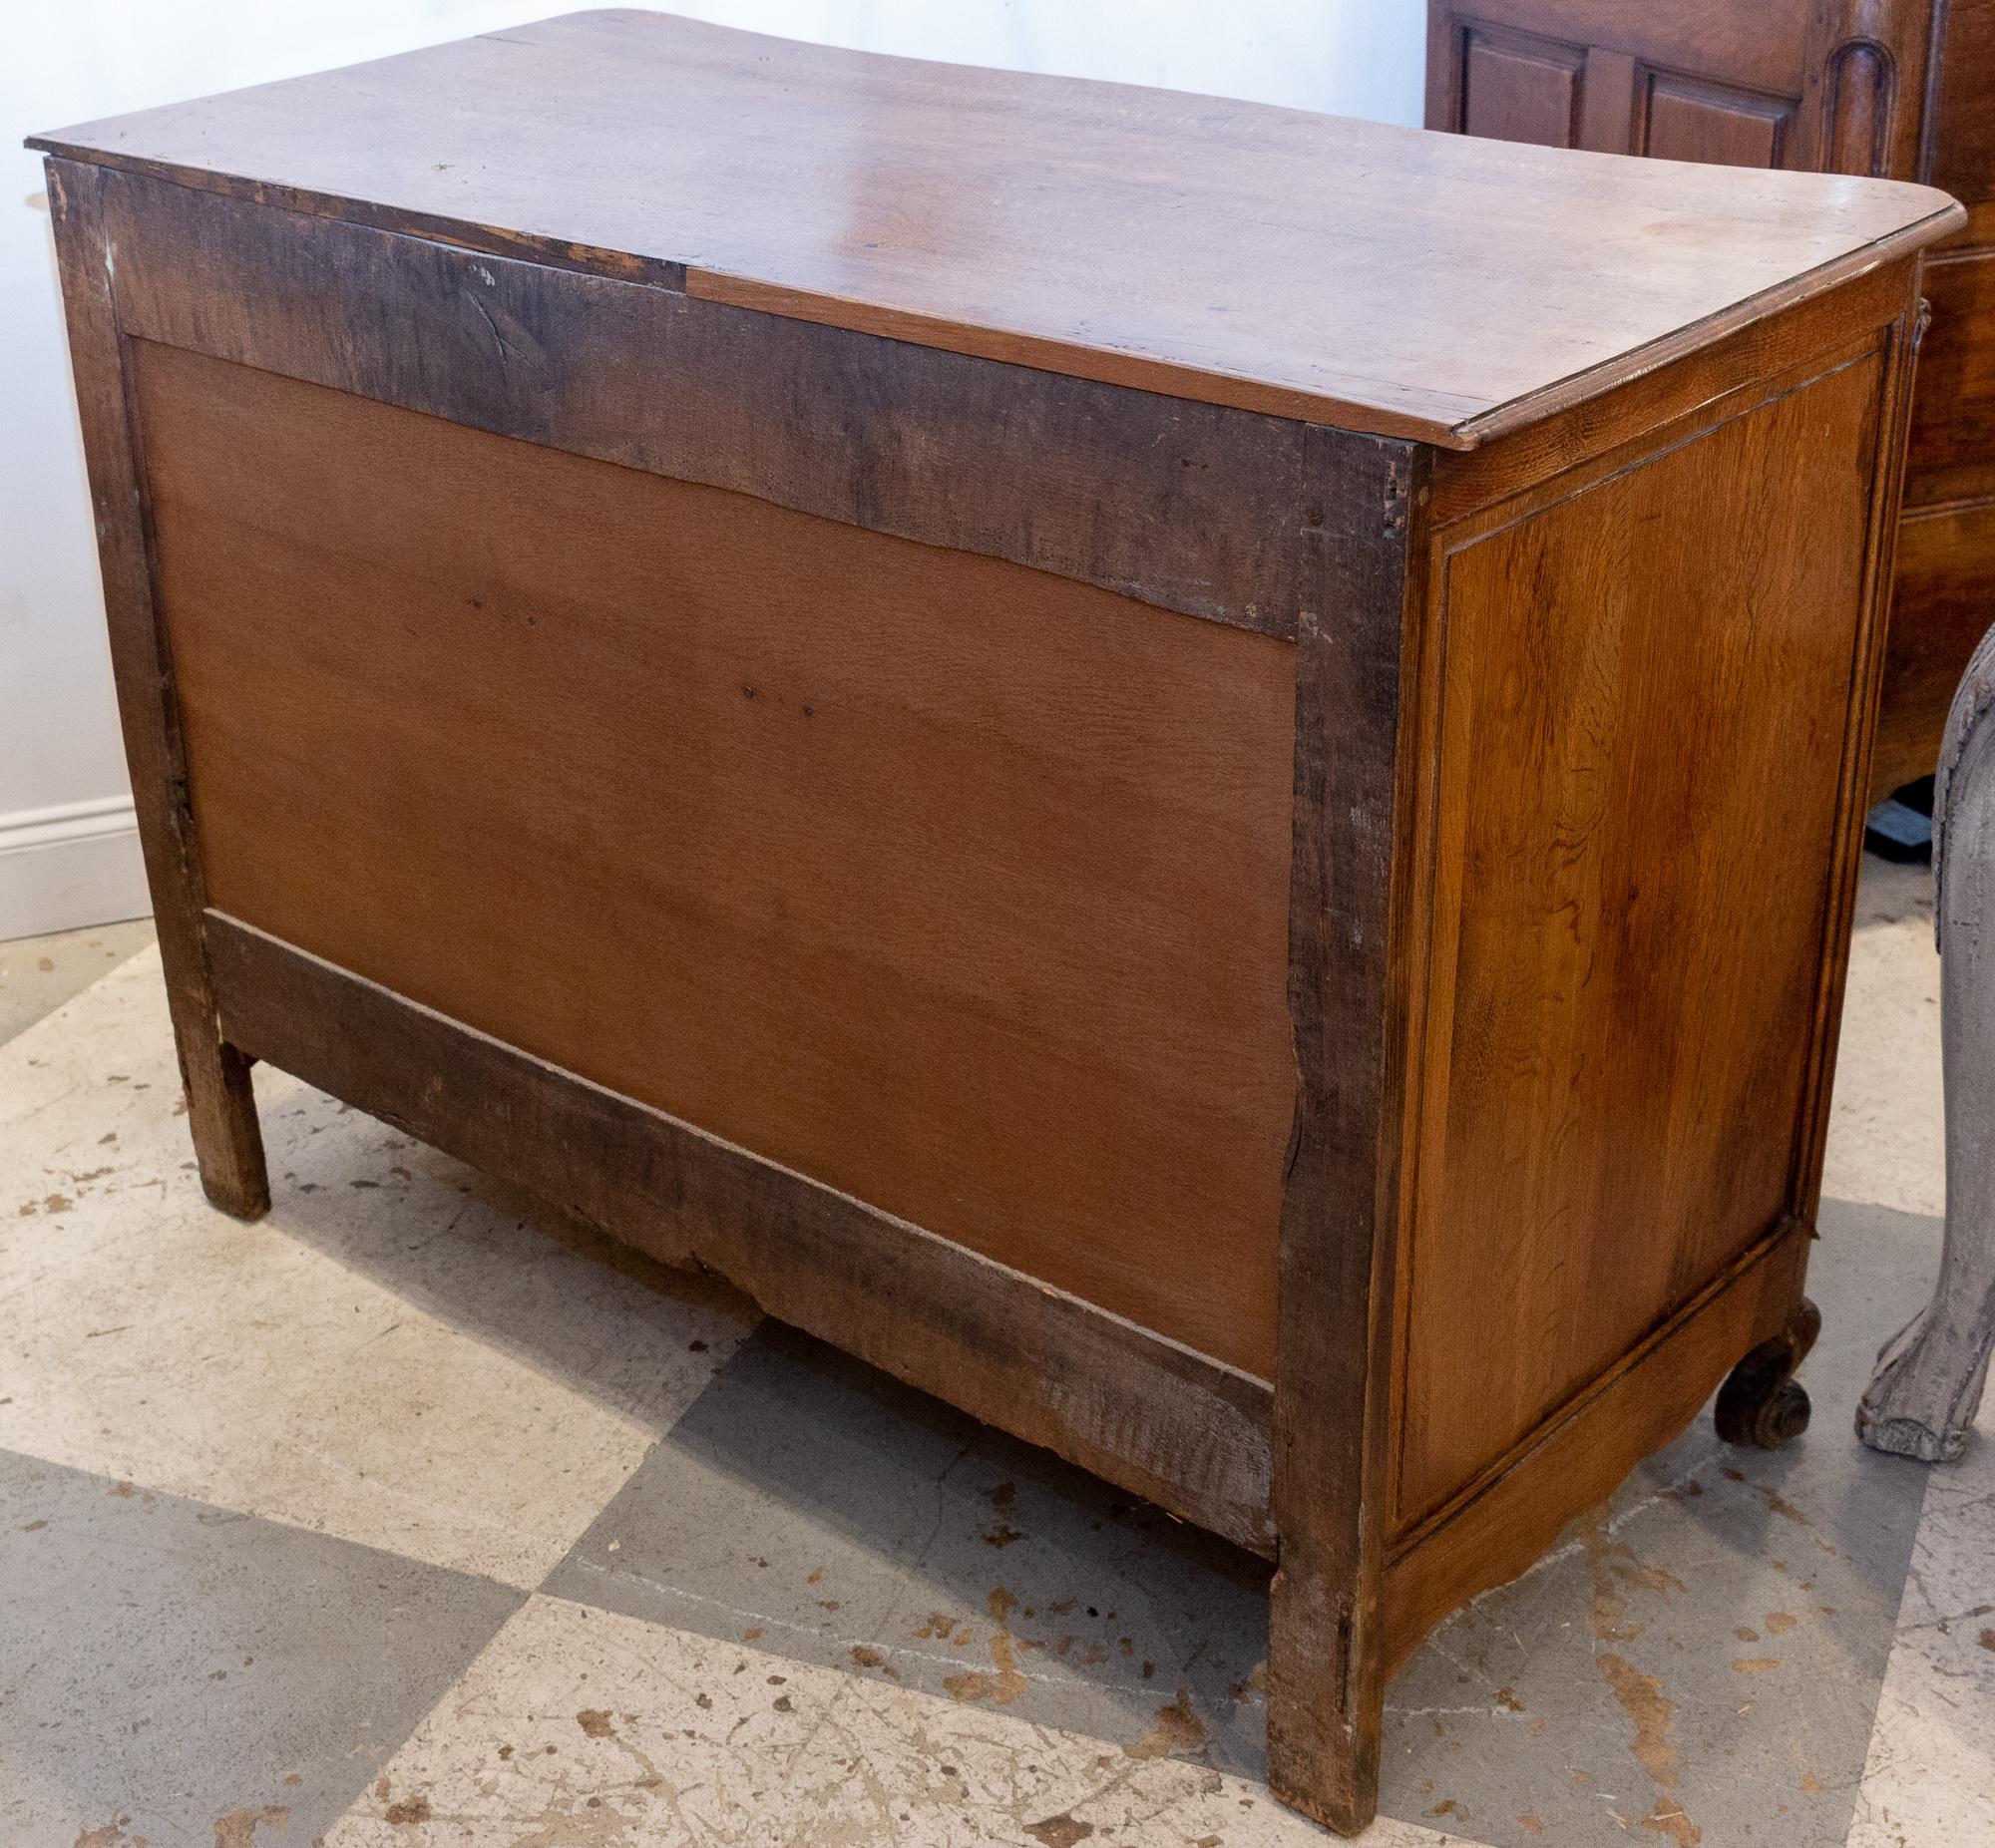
pixel 1149 1416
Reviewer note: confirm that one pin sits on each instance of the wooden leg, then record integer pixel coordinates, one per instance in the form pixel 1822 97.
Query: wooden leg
pixel 1326 1701
pixel 214 1076
pixel 1341 1196
pixel 221 1112
pixel 1761 1404
pixel 1929 1378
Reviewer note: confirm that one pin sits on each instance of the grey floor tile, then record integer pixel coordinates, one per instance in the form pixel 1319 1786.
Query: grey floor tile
pixel 179 1673
pixel 815 1509
pixel 39 973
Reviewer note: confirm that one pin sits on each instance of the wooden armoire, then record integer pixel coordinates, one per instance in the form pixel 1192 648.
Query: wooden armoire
pixel 1897 88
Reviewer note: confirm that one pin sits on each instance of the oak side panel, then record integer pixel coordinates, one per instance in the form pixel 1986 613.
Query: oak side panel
pixel 1629 935
pixel 1575 1461
pixel 1149 1416
pixel 957 887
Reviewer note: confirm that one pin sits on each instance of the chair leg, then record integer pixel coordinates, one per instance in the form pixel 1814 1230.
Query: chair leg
pixel 1931 1375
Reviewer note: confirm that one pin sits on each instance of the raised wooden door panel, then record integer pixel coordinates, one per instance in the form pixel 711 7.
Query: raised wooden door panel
pixel 1683 118
pixel 959 887
pixel 1520 86
pixel 1951 455
pixel 1681 83
pixel 1830 84
pixel 1963 135
pixel 1626 972
pixel 1942 605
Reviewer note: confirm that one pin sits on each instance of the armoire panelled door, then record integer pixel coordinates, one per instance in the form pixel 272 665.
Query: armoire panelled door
pixel 1815 83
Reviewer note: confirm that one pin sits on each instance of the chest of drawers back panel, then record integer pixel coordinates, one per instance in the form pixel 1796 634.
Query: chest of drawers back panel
pixel 1904 88
pixel 958 887
pixel 1117 855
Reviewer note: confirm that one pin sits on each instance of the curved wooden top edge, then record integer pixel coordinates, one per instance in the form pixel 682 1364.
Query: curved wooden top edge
pixel 1521 413
pixel 1352 306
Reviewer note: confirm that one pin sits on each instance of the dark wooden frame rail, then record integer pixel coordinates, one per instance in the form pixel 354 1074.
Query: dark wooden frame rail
pixel 1351 536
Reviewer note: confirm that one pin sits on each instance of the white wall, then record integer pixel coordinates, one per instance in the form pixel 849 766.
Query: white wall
pixel 67 854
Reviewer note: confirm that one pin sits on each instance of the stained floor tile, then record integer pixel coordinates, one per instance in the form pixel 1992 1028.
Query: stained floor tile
pixel 1702 1658
pixel 581 1726
pixel 39 973
pixel 402 1354
pixel 1931 1773
pixel 815 1507
pixel 181 1674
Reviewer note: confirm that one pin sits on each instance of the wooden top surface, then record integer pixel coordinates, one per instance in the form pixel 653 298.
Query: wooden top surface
pixel 1383 278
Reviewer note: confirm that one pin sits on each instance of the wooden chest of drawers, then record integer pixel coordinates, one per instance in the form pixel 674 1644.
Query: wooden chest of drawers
pixel 1052 725
pixel 1898 87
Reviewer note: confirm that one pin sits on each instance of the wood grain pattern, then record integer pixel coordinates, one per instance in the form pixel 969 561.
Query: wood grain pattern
pixel 1728 376
pixel 1148 1415
pixel 1952 451
pixel 736 645
pixel 957 887
pixel 1185 245
pixel 1627 934
pixel 1945 592
pixel 1692 119
pixel 1519 88
pixel 215 1078
pixel 1963 132
pixel 1350 933
pixel 1188 505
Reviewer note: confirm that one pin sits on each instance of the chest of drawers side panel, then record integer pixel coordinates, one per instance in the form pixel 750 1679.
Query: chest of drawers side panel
pixel 1636 953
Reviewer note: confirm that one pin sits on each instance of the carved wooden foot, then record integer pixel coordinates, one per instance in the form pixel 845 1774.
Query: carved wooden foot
pixel 1759 1403
pixel 1929 1378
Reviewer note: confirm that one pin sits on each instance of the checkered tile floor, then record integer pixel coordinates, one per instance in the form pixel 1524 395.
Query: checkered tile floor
pixel 413 1515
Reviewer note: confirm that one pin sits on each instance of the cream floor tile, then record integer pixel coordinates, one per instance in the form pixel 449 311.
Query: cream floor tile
pixel 579 1726
pixel 1887 1140
pixel 1931 1773
pixel 400 1355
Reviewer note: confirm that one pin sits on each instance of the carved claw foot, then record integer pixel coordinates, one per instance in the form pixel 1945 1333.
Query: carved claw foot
pixel 1928 1384
pixel 1760 1404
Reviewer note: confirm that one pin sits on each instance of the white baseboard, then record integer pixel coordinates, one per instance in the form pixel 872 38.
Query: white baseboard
pixel 70 866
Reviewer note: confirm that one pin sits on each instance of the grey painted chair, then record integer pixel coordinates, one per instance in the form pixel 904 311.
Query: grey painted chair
pixel 1929 1377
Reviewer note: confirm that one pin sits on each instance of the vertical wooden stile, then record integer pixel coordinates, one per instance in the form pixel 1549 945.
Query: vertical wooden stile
pixel 1349 940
